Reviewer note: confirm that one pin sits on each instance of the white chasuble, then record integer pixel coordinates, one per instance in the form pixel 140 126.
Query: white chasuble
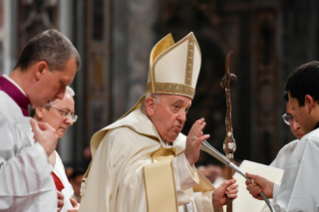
pixel 299 190
pixel 26 183
pixel 116 181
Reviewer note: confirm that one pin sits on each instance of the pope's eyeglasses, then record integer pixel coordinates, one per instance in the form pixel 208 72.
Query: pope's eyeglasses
pixel 65 114
pixel 288 119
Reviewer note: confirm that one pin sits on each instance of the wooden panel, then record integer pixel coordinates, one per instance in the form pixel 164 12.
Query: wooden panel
pixel 265 86
pixel 98 66
pixel 35 17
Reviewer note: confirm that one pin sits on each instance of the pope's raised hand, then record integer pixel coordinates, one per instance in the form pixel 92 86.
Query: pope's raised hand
pixel 45 135
pixel 194 140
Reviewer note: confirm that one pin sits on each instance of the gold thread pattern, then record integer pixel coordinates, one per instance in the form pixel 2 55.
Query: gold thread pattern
pixel 172 168
pixel 189 64
pixel 172 88
pixel 145 190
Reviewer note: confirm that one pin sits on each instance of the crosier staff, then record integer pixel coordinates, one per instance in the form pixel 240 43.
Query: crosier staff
pixel 229 142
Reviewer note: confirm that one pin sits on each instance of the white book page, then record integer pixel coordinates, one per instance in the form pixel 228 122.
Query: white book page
pixel 244 201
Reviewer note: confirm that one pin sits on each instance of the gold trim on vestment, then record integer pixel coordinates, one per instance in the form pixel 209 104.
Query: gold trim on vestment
pixel 174 184
pixel 159 182
pixel 98 137
pixel 145 190
pixel 171 88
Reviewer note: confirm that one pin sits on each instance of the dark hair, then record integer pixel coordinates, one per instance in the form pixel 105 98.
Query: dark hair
pixel 50 46
pixel 286 98
pixel 304 80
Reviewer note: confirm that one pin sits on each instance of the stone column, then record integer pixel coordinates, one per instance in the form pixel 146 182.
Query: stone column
pixel 133 37
pixel 66 144
pixel 10 38
pixel 79 83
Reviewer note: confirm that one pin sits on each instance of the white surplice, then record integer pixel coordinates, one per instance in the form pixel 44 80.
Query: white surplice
pixel 116 183
pixel 299 189
pixel 68 191
pixel 281 161
pixel 26 183
pixel 284 154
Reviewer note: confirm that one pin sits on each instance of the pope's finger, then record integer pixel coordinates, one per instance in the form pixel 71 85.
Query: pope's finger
pixel 199 141
pixel 232 191
pixel 234 179
pixel 232 196
pixel 201 127
pixel 225 184
pixel 194 128
pixel 233 186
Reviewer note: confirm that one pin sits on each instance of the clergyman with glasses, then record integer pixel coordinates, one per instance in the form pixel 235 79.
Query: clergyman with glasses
pixel 299 189
pixel 285 152
pixel 60 115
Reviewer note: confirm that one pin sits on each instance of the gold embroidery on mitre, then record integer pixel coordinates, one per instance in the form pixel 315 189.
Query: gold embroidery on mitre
pixel 171 88
pixel 185 89
pixel 190 61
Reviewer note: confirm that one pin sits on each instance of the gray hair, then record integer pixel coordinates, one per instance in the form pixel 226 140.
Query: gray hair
pixel 156 96
pixel 69 91
pixel 50 46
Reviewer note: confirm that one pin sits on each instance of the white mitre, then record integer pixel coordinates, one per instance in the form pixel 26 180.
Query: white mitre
pixel 174 68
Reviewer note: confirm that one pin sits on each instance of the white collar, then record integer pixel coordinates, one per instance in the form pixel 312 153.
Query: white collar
pixel 13 82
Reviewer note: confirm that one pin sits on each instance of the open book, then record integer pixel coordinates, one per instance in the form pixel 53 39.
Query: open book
pixel 244 201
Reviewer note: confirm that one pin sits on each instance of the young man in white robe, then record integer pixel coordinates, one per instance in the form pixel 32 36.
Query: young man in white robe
pixel 60 115
pixel 47 64
pixel 299 188
pixel 142 162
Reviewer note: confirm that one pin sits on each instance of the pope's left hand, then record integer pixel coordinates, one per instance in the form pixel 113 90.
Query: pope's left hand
pixel 227 189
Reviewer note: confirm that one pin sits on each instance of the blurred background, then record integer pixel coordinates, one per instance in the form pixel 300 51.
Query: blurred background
pixel 270 38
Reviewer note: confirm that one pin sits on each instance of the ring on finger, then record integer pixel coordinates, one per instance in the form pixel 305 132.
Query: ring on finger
pixel 194 137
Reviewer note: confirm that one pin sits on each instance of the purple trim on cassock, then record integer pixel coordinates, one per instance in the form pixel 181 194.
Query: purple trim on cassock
pixel 15 94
